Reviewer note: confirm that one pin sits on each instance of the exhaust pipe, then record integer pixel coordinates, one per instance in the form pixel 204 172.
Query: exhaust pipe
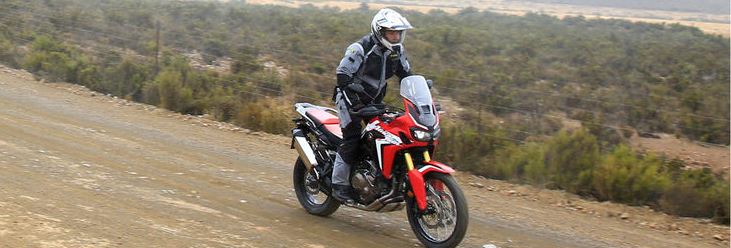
pixel 299 142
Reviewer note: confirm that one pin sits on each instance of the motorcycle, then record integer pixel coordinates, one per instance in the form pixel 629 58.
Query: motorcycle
pixel 395 168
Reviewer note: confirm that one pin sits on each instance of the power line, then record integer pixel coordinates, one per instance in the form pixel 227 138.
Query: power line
pixel 531 114
pixel 598 101
pixel 315 99
pixel 77 28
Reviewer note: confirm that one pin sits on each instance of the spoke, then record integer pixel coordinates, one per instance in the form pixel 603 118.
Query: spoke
pixel 440 233
pixel 439 225
pixel 314 198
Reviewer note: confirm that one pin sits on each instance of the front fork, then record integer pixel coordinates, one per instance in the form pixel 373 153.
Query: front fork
pixel 416 179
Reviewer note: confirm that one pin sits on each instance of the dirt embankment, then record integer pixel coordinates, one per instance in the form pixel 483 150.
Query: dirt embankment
pixel 695 155
pixel 81 169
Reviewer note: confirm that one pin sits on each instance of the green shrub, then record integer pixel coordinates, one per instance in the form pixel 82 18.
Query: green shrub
pixel 522 163
pixel 222 104
pixel 172 93
pixel 721 195
pixel 53 66
pixel 48 58
pixel 126 79
pixel 570 159
pixel 625 177
pixel 9 54
pixel 697 193
pixel 151 94
pixel 55 61
pixel 268 115
pixel 470 148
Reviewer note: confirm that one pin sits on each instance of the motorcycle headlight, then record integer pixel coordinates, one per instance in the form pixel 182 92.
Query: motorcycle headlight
pixel 421 135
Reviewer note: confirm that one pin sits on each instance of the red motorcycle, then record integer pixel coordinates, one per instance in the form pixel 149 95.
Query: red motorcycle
pixel 395 168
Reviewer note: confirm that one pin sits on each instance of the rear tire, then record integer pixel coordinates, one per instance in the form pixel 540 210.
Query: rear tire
pixel 449 210
pixel 307 190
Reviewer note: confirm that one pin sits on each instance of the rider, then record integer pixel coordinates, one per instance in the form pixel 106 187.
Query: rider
pixel 361 81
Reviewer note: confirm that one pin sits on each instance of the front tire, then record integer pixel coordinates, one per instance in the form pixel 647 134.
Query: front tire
pixel 444 223
pixel 308 192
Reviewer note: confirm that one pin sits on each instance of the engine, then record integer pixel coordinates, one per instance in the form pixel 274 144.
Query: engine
pixel 367 184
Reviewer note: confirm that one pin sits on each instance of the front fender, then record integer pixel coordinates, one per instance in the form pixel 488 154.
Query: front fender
pixel 416 179
pixel 434 166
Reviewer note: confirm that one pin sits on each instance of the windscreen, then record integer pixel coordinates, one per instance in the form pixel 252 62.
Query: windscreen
pixel 416 90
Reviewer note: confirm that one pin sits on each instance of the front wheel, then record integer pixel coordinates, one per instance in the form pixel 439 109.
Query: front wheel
pixel 444 222
pixel 308 192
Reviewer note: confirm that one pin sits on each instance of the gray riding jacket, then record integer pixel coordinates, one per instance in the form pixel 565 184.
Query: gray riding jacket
pixel 369 64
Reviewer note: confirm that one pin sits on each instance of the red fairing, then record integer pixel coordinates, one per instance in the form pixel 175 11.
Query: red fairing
pixel 418 187
pixel 434 166
pixel 389 153
pixel 397 126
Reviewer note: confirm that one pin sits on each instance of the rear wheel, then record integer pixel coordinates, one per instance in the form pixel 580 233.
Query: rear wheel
pixel 308 192
pixel 444 222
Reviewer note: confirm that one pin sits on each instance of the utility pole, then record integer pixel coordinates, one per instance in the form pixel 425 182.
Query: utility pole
pixel 157 46
pixel 479 113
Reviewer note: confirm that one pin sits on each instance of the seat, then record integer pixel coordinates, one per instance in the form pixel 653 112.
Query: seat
pixel 322 117
pixel 328 124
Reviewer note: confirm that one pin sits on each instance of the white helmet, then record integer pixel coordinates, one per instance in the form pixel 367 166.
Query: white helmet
pixel 387 19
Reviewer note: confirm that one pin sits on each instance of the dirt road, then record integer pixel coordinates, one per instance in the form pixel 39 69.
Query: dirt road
pixel 80 169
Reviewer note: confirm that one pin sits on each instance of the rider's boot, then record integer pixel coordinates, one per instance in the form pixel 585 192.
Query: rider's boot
pixel 343 193
pixel 340 182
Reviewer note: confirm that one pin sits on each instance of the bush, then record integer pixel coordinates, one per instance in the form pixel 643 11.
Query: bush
pixel 565 161
pixel 8 52
pixel 625 177
pixel 470 148
pixel 721 213
pixel 222 104
pixel 524 163
pixel 54 66
pixel 570 159
pixel 53 60
pixel 697 193
pixel 126 79
pixel 268 115
pixel 172 93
